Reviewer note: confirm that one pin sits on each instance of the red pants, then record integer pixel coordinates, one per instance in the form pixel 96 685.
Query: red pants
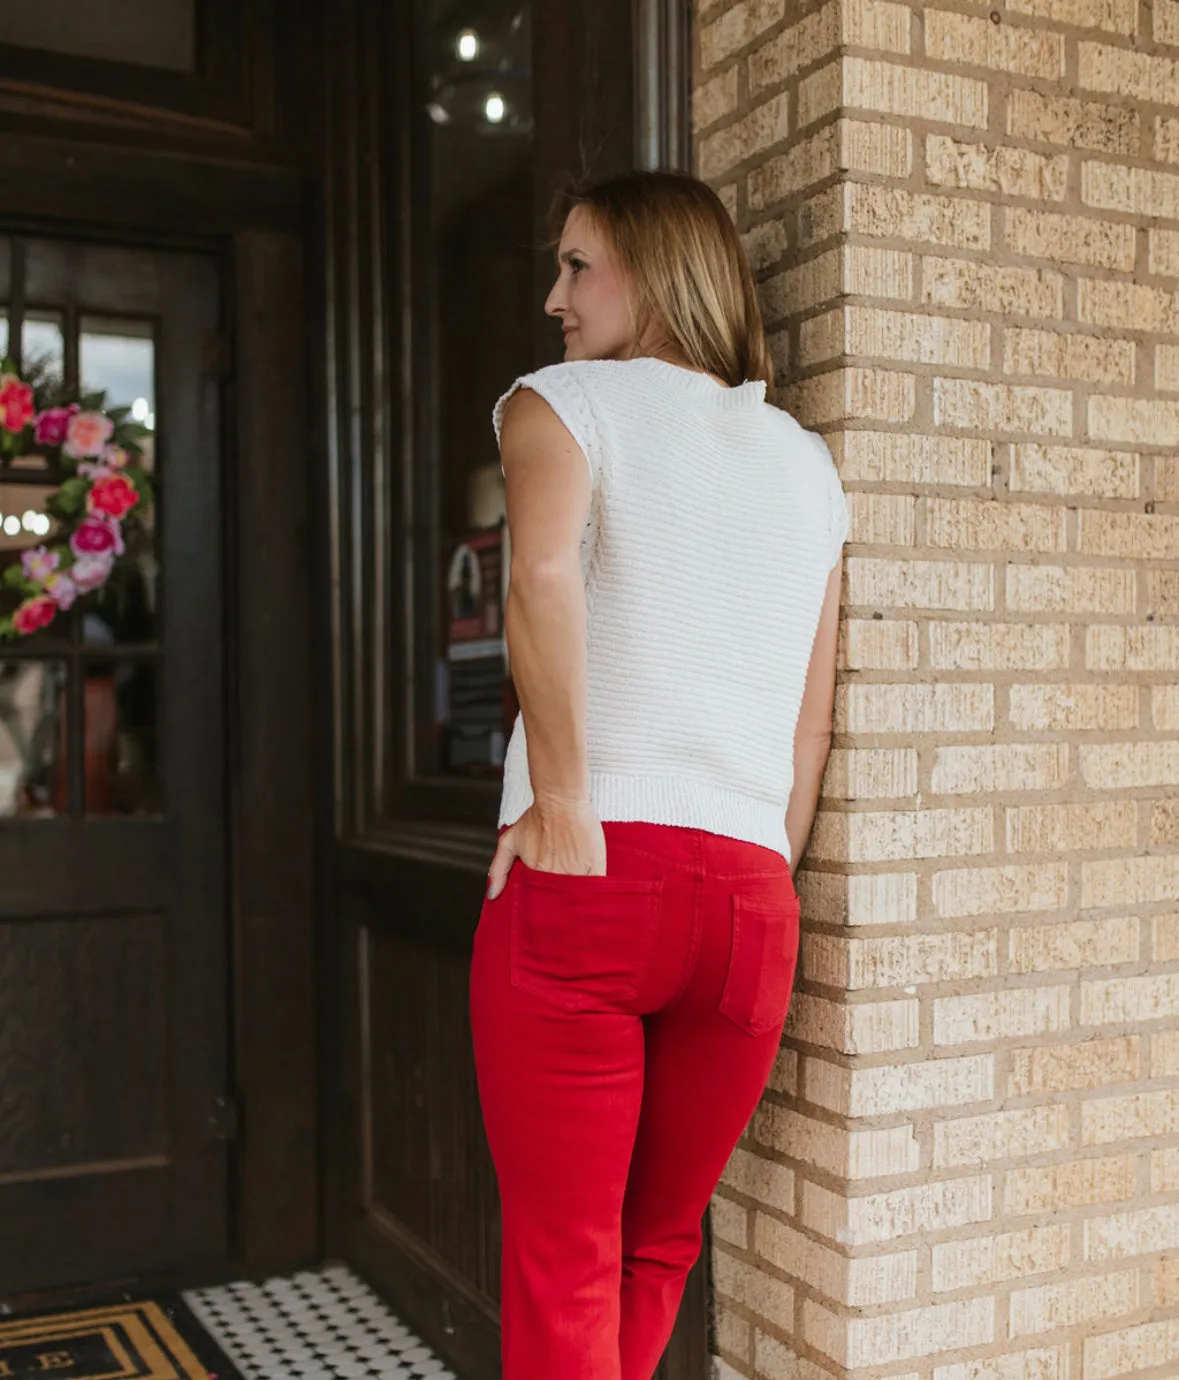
pixel 624 1030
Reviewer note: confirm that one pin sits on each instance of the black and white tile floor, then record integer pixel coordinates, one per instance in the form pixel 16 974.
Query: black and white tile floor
pixel 318 1325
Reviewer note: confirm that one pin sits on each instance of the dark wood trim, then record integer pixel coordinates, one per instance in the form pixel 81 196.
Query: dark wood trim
pixel 273 808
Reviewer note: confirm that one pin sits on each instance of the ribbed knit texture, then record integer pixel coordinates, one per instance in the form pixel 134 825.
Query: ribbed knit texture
pixel 715 522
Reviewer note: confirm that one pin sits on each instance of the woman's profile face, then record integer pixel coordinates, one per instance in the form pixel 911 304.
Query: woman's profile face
pixel 589 296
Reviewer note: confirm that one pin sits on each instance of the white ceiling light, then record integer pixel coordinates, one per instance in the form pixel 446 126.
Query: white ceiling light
pixel 12 526
pixel 29 520
pixel 467 45
pixel 140 409
pixel 495 109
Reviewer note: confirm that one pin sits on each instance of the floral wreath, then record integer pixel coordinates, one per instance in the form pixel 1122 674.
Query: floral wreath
pixel 98 507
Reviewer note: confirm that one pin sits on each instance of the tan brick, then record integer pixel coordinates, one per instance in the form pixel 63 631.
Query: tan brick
pixel 765 126
pixel 863 1028
pixel 1073 123
pixel 1141 1232
pixel 730 1221
pixel 794 48
pixel 1072 828
pixel 804 164
pixel 1164 823
pixel 1166 368
pixel 876 582
pixel 882 150
pixel 734 1337
pixel 915 708
pixel 896 835
pixel 1138 1116
pixel 1075 239
pixel 885 28
pixel 1164 707
pixel 897 1214
pixel 856 1155
pixel 1151 648
pixel 1141 421
pixel 900 960
pixel 715 99
pixel 983 890
pixel 976 405
pixel 728 196
pixel 1007 1015
pixel 871 773
pixel 1166 478
pixel 878 644
pixel 998 646
pixel 917 217
pixel 1130 1000
pixel 879 394
pixel 952 37
pixel 859 1342
pixel 1129 74
pixel 891 458
pixel 1166 1272
pixel 1072 1303
pixel 756 1290
pixel 1074 470
pixel 886 1091
pixel 1140 191
pixel 1165 14
pixel 1166 139
pixel 1118 16
pixel 1117 766
pixel 1140 880
pixel 896 335
pixel 1127 306
pixel 851 269
pixel 975 285
pixel 1056 1068
pixel 1041 1363
pixel 760 1179
pixel 1069 589
pixel 979 1262
pixel 1164 1178
pixel 1000 1136
pixel 765 244
pixel 1140 536
pixel 1164 1054
pixel 777 1361
pixel 1165 938
pixel 821 93
pixel 1053 354
pixel 985 168
pixel 1077 944
pixel 1079 1183
pixel 916 92
pixel 856 1283
pixel 737 28
pixel 881 898
pixel 991 768
pixel 784 1074
pixel 970 524
pixel 1136 1349
pixel 1162 593
pixel 1073 708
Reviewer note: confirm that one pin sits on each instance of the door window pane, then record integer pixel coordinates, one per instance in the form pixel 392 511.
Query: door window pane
pixel 42 349
pixel 481 246
pixel 32 737
pixel 121 757
pixel 150 33
pixel 118 357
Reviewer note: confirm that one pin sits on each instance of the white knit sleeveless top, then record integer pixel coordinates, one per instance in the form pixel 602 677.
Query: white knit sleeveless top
pixel 714 524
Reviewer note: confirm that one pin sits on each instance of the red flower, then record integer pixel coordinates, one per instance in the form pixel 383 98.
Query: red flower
pixel 16 403
pixel 114 497
pixel 52 426
pixel 34 614
pixel 96 536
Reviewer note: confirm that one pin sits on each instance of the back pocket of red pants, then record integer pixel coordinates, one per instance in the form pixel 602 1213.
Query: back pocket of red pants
pixel 761 963
pixel 584 943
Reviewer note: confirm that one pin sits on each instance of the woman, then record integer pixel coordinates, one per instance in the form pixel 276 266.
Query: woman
pixel 671 619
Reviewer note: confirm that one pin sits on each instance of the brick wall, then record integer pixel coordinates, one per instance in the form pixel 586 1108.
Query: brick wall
pixel 965 221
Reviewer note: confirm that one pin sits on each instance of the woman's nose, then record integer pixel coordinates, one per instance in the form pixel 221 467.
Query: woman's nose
pixel 555 303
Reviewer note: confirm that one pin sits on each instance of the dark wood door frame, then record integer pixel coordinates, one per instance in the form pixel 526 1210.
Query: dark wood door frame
pixel 254 219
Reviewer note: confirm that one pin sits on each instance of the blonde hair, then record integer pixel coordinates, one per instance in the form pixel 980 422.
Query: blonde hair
pixel 685 265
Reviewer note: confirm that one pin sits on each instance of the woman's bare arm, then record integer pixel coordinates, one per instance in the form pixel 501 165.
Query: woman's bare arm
pixel 812 737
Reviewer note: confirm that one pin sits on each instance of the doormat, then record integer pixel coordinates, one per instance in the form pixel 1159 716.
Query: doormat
pixel 141 1339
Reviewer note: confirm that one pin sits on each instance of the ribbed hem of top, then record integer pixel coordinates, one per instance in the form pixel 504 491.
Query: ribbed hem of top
pixel 672 800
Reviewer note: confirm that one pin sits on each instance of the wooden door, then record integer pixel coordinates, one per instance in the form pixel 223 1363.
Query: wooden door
pixel 113 1023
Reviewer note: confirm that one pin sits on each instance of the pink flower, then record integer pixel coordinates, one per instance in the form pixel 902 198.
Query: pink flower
pixel 34 614
pixel 16 403
pixel 39 564
pixel 87 434
pixel 89 572
pixel 62 590
pixel 113 496
pixel 92 471
pixel 96 536
pixel 114 457
pixel 52 425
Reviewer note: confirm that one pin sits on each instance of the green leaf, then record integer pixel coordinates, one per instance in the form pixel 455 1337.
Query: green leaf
pixel 14 578
pixel 7 630
pixel 118 414
pixel 70 499
pixel 92 402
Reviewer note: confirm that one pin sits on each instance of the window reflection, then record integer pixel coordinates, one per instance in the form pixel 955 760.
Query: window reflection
pixel 481 238
pixel 32 735
pixel 42 349
pixel 117 357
